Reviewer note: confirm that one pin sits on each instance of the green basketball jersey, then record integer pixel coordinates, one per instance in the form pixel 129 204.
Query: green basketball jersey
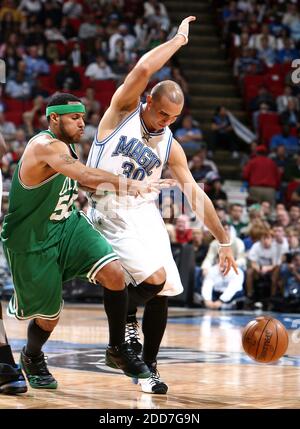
pixel 37 215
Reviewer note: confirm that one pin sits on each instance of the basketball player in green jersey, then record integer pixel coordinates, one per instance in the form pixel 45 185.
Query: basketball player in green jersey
pixel 47 241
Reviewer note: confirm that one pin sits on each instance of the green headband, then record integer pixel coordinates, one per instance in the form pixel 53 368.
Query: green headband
pixel 62 109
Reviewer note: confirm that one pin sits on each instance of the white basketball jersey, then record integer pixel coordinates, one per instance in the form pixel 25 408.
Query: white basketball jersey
pixel 132 151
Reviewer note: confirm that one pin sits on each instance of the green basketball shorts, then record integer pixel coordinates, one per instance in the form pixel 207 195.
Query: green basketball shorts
pixel 38 276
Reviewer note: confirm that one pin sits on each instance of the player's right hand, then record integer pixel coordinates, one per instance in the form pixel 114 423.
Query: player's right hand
pixel 184 28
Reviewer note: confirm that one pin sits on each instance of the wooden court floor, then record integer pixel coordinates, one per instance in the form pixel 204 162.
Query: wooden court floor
pixel 201 360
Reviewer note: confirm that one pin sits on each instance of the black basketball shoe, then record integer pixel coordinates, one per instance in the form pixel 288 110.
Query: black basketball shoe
pixel 37 372
pixel 152 384
pixel 132 334
pixel 126 359
pixel 12 380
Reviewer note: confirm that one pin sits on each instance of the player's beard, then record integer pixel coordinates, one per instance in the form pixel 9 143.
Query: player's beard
pixel 64 134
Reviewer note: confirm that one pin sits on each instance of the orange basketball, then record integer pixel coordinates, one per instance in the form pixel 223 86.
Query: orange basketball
pixel 265 339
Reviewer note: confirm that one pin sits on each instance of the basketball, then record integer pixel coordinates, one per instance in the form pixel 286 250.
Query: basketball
pixel 265 339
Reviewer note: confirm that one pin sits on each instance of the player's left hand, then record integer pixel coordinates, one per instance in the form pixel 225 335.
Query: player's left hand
pixel 184 27
pixel 160 184
pixel 226 260
pixel 166 183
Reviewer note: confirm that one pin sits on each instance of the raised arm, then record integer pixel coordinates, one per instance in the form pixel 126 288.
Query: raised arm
pixel 200 204
pixel 126 98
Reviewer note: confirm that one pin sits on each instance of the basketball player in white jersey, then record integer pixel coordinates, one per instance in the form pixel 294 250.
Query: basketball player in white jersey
pixel 12 380
pixel 134 140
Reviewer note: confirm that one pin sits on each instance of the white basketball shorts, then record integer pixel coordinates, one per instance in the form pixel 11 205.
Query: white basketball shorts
pixel 139 237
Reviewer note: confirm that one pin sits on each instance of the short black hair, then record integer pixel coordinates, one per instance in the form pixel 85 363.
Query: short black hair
pixel 61 98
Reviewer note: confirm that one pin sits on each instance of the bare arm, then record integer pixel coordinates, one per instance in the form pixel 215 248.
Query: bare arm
pixel 56 155
pixel 200 203
pixel 127 96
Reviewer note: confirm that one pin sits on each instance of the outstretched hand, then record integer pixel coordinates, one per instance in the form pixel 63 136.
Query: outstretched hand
pixel 184 27
pixel 226 260
pixel 139 188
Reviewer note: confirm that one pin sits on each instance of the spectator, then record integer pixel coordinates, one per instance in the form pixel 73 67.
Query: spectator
pixel 283 218
pixel 88 29
pixel 68 78
pixel 266 54
pixel 140 30
pixel 290 278
pixel 35 65
pixel 128 42
pixel 262 263
pixel 72 9
pixel 178 77
pixel 280 158
pixel 219 292
pixel 263 108
pixel 248 63
pixel 90 102
pixel 266 211
pixel 294 243
pixel 285 139
pixel 294 213
pixel 263 177
pixel 76 55
pixel 52 54
pixel 280 241
pixel 30 7
pixel 282 100
pixel 290 116
pixel 156 12
pixel 7 128
pixel 263 96
pixel 259 40
pixel 120 67
pixel 198 167
pixel 288 53
pixel 223 135
pixel 215 191
pixel 183 231
pixel 189 136
pixel 99 70
pixel 19 87
pixel 91 127
pixel 235 217
pixel 52 33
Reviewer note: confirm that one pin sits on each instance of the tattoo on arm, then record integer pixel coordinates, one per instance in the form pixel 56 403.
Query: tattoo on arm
pixel 67 158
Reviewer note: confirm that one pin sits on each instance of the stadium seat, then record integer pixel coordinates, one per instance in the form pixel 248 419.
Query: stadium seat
pixel 15 116
pixel 268 131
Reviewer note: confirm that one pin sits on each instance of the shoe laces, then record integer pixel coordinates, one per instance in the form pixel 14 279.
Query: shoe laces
pixel 154 377
pixel 129 353
pixel 131 332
